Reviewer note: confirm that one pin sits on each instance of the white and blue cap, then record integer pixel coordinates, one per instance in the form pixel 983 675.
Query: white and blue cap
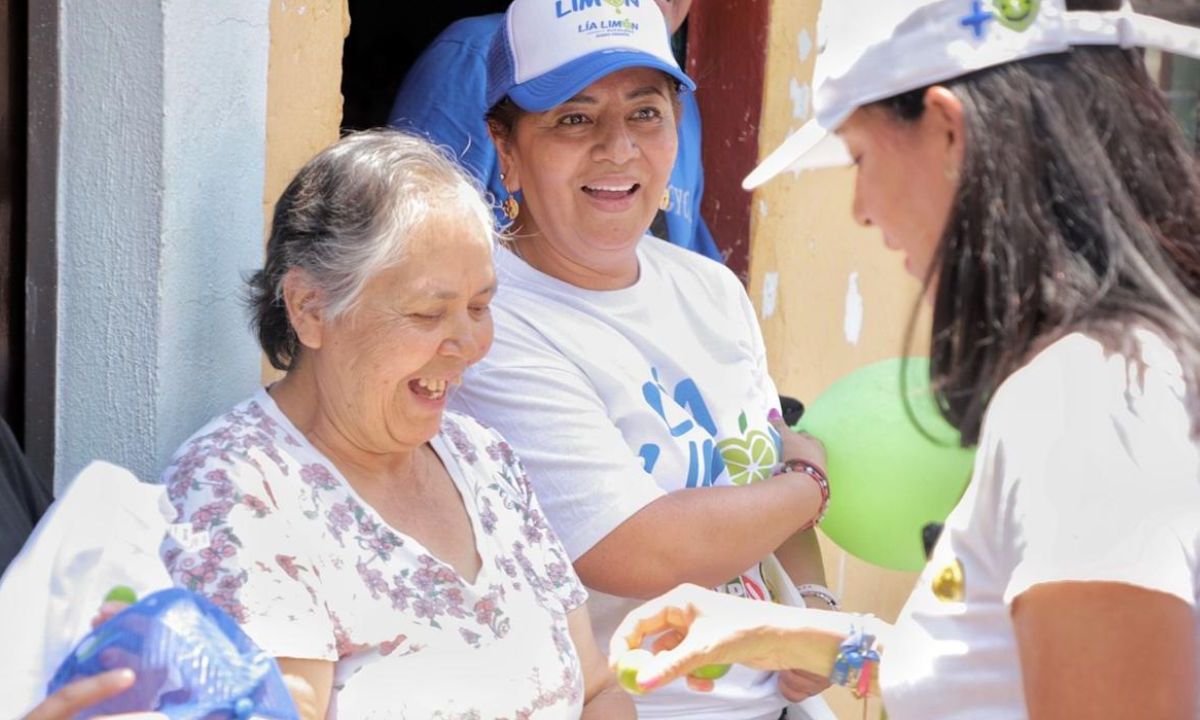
pixel 546 51
pixel 870 50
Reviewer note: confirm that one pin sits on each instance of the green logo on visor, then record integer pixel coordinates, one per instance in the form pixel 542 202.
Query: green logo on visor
pixel 1016 14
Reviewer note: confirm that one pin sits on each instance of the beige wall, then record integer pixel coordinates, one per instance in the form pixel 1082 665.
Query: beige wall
pixel 842 299
pixel 304 99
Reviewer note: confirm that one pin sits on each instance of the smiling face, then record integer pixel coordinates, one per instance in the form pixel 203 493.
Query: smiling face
pixel 593 170
pixel 382 370
pixel 906 178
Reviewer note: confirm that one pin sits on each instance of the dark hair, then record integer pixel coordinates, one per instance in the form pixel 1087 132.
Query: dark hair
pixel 503 116
pixel 1078 209
pixel 347 215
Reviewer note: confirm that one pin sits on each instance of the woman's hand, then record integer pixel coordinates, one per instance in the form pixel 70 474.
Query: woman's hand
pixel 797 685
pixel 715 628
pixel 798 445
pixel 78 696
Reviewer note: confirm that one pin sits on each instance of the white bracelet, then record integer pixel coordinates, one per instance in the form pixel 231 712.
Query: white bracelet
pixel 818 591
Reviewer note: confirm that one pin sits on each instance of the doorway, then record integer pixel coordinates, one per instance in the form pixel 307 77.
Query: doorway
pixel 385 38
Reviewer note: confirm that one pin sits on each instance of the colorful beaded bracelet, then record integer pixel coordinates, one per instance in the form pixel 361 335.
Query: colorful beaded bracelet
pixel 816 473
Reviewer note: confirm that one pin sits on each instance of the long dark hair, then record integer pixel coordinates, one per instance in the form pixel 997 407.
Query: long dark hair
pixel 1078 210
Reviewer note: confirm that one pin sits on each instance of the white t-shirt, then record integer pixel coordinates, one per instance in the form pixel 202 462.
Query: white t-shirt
pixel 269 529
pixel 614 398
pixel 1084 473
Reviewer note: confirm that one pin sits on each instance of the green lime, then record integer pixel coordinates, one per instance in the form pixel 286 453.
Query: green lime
pixel 710 672
pixel 748 459
pixel 121 593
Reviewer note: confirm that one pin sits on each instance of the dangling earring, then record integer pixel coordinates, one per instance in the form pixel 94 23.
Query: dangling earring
pixel 510 206
pixel 664 202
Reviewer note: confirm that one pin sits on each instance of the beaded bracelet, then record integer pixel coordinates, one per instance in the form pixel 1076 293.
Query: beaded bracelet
pixel 816 473
pixel 853 664
pixel 818 591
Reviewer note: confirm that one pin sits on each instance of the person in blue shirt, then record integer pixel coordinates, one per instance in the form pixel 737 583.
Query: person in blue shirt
pixel 442 97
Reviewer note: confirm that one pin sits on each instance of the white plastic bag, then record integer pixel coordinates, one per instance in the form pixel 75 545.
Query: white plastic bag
pixel 103 531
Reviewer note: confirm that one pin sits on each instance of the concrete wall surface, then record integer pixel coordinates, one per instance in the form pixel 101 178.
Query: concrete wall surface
pixel 160 178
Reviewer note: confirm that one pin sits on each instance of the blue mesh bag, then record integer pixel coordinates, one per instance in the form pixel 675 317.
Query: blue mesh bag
pixel 192 662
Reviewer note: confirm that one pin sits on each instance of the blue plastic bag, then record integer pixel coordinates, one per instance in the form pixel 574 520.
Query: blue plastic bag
pixel 192 662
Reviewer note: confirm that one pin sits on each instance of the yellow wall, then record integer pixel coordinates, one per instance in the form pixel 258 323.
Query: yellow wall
pixel 826 266
pixel 304 98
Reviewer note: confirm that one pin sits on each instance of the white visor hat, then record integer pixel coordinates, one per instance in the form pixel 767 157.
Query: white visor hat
pixel 869 50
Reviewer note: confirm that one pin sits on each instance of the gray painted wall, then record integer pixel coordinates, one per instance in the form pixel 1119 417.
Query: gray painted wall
pixel 161 160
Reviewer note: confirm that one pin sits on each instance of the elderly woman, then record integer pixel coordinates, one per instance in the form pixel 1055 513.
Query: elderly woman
pixel 386 551
pixel 630 375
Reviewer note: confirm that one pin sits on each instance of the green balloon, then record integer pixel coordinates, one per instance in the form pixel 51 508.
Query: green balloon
pixel 887 480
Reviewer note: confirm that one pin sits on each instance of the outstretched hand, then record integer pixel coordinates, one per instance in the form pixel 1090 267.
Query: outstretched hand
pixel 75 697
pixel 704 627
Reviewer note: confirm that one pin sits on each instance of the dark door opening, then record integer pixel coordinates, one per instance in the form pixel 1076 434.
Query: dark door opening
pixel 12 214
pixel 385 38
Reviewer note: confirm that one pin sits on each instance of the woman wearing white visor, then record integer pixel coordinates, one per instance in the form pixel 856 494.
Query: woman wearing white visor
pixel 1020 155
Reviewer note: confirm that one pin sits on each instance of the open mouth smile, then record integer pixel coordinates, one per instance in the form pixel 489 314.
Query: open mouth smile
pixel 611 192
pixel 432 388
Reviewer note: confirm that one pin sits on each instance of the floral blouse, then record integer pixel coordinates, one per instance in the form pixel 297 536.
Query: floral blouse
pixel 268 528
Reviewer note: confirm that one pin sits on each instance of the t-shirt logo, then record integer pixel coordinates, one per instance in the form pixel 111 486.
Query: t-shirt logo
pixel 1016 14
pixel 689 419
pixel 744 586
pixel 751 457
pixel 566 7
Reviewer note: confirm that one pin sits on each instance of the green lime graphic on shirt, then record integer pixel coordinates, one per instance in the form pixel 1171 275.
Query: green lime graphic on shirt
pixel 1016 14
pixel 616 4
pixel 748 458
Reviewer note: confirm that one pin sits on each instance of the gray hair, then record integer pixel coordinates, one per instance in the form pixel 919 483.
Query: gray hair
pixel 348 215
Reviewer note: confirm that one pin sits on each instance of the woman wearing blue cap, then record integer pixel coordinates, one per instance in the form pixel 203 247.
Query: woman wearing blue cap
pixel 630 375
pixel 1021 157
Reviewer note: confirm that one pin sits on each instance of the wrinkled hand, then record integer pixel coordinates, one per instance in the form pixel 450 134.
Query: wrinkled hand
pixel 799 445
pixel 797 685
pixel 697 627
pixel 77 696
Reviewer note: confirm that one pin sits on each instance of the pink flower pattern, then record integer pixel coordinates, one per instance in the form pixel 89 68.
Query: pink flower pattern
pixel 276 538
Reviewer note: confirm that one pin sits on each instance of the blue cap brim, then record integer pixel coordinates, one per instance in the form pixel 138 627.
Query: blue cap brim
pixel 565 82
